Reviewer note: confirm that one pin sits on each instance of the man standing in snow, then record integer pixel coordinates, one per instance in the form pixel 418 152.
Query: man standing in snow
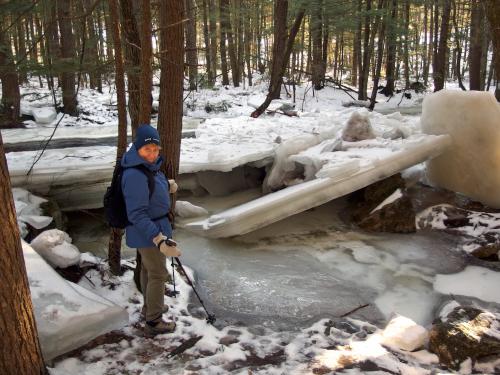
pixel 150 230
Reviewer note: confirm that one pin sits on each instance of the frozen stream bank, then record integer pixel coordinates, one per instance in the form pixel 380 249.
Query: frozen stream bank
pixel 308 266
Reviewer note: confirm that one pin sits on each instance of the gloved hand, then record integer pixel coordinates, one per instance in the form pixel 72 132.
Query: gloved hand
pixel 173 186
pixel 162 243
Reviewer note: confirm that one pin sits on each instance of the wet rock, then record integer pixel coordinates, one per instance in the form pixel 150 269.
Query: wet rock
pixel 465 332
pixel 346 326
pixel 228 340
pixel 369 197
pixel 488 251
pixel 395 217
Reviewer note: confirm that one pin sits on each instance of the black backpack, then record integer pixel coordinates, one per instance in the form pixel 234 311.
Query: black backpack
pixel 114 202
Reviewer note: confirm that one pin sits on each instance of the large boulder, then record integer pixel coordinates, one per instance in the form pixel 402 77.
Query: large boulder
pixel 471 165
pixel 465 332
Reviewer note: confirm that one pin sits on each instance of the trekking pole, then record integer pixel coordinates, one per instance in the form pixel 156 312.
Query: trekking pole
pixel 210 317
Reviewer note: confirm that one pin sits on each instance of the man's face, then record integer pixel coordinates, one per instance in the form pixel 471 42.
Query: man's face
pixel 149 152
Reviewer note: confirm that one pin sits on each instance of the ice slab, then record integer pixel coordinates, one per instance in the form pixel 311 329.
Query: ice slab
pixel 373 166
pixel 472 165
pixel 67 315
pixel 44 115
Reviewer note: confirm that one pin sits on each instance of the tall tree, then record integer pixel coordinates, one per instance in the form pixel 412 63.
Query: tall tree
pixel 390 67
pixel 67 57
pixel 171 83
pixel 20 351
pixel 11 98
pixel 476 45
pixel 439 65
pixel 281 51
pixel 318 76
pixel 191 51
pixel 116 234
pixel 146 66
pixel 225 24
pixel 492 10
pixel 132 44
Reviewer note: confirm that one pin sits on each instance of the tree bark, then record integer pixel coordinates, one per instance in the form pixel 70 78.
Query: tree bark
pixel 380 55
pixel 228 31
pixel 492 10
pixel 20 351
pixel 171 85
pixel 440 61
pixel 191 52
pixel 222 41
pixel 115 238
pixel 67 57
pixel 212 27
pixel 318 76
pixel 146 64
pixel 206 38
pixel 11 98
pixel 132 44
pixel 476 46
pixel 390 66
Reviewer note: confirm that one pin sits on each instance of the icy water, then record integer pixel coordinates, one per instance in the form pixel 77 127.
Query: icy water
pixel 306 267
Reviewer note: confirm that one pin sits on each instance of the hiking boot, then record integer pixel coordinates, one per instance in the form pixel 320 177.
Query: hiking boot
pixel 159 327
pixel 143 311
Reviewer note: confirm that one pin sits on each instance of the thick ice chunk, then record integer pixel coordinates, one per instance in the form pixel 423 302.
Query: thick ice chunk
pixel 44 115
pixel 28 211
pixel 472 165
pixel 187 210
pixel 403 333
pixel 67 315
pixel 55 247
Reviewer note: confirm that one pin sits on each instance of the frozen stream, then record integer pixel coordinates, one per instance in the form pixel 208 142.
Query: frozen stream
pixel 308 266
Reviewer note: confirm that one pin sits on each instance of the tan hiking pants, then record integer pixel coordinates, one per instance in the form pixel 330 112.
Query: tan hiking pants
pixel 154 275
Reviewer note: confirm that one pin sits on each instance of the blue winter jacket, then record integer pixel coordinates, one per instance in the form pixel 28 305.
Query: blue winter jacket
pixel 143 212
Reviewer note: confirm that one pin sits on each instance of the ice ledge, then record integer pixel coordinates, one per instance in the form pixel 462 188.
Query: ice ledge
pixel 67 315
pixel 294 199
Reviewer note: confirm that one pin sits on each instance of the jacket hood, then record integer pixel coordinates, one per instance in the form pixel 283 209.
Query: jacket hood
pixel 132 159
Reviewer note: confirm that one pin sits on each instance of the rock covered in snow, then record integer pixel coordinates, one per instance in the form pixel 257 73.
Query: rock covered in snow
pixel 403 333
pixel 188 210
pixel 55 247
pixel 471 165
pixel 465 332
pixel 357 128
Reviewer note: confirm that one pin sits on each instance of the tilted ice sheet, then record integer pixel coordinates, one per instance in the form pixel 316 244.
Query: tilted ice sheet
pixel 374 163
pixel 67 315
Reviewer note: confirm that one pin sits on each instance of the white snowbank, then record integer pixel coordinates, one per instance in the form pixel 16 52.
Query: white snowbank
pixel 471 166
pixel 403 333
pixel 55 247
pixel 67 315
pixel 44 115
pixel 473 281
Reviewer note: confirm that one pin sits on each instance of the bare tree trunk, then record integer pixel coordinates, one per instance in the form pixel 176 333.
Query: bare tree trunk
pixel 115 237
pixel 390 66
pixel 213 37
pixel 21 36
pixel 276 81
pixel 380 55
pixel 67 57
pixel 228 31
pixel 11 98
pixel 171 84
pixel 20 351
pixel 492 10
pixel 146 65
pixel 364 68
pixel 132 44
pixel 317 47
pixel 406 55
pixel 206 38
pixel 223 57
pixel 458 57
pixel 440 63
pixel 191 52
pixel 247 43
pixel 476 46
pixel 93 57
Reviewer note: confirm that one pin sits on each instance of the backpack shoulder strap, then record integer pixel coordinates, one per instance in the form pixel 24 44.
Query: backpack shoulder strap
pixel 151 178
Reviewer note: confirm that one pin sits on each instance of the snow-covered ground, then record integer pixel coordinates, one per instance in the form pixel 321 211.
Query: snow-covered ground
pixel 279 292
